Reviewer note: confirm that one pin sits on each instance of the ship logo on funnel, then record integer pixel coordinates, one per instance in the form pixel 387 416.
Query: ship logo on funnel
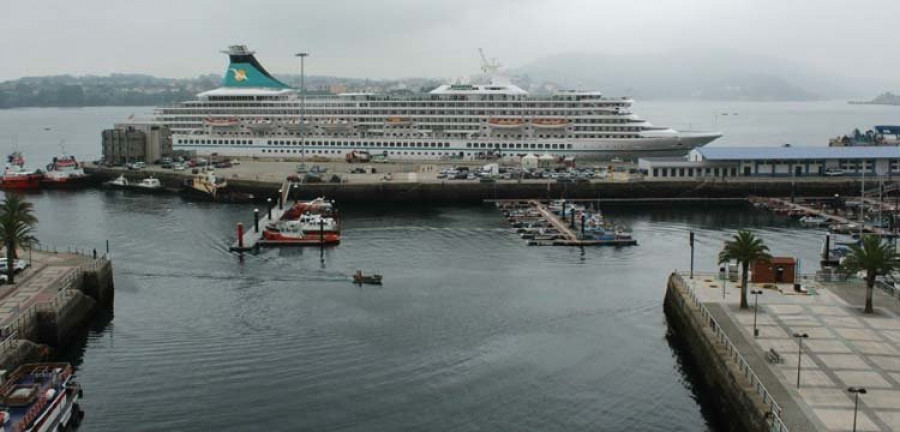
pixel 240 75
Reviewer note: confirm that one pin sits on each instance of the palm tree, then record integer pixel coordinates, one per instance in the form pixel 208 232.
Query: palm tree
pixel 745 248
pixel 17 222
pixel 876 258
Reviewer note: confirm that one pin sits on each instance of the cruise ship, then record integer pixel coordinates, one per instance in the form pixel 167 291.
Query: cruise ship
pixel 253 114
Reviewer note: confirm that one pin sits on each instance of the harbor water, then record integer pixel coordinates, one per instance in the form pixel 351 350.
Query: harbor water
pixel 472 330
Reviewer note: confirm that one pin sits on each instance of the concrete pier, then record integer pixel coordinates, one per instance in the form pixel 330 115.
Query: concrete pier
pixel 845 348
pixel 50 301
pixel 418 187
pixel 252 234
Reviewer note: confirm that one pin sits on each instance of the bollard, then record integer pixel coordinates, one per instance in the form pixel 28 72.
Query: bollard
pixel 240 227
pixel 255 220
pixel 107 246
pixel 582 224
pixel 280 199
pixel 321 235
pixel 269 205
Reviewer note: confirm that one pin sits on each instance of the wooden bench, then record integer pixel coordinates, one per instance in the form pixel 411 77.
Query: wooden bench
pixel 773 357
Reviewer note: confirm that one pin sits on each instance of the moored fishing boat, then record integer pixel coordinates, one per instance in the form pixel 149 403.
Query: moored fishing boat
pixel 17 176
pixel 40 397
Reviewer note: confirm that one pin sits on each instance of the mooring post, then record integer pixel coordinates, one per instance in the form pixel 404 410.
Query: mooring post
pixel 280 199
pixel 240 227
pixel 269 205
pixel 107 246
pixel 582 224
pixel 255 220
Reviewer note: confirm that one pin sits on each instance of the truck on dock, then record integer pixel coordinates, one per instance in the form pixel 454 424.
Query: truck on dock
pixel 358 156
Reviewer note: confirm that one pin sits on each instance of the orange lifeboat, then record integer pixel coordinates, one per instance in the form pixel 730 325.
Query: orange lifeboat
pixel 221 122
pixel 550 123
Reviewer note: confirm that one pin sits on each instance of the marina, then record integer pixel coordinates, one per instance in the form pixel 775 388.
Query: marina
pixel 544 224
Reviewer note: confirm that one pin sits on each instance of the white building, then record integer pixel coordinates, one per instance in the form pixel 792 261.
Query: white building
pixel 720 162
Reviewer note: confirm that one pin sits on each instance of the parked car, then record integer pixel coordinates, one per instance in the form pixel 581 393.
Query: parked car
pixel 18 265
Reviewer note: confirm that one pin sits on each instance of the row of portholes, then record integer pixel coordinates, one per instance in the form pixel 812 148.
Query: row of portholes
pixel 336 152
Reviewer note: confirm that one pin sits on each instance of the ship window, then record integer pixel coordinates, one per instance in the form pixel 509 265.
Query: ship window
pixel 569 146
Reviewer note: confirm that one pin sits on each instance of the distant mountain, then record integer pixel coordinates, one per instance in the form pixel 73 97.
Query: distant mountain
pixel 716 76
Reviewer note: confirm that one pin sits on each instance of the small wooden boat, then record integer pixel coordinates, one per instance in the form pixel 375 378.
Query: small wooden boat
pixel 360 278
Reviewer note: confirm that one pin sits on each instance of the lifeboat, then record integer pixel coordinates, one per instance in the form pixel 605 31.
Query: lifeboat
pixel 550 123
pixel 398 121
pixel 506 123
pixel 221 122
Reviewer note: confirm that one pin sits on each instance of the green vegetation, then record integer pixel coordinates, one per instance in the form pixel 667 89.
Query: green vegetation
pixel 745 248
pixel 876 258
pixel 17 222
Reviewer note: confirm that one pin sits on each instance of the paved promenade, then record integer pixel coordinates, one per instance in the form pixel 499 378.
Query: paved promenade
pixel 845 348
pixel 39 283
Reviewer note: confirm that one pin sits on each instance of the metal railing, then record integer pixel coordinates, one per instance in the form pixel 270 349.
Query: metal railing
pixel 65 289
pixel 742 364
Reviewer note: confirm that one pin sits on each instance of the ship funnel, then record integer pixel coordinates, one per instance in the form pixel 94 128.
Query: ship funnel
pixel 245 71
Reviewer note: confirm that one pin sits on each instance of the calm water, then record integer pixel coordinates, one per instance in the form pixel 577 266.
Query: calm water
pixel 472 330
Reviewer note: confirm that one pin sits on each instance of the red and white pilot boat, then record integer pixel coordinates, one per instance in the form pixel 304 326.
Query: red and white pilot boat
pixel 65 172
pixel 17 176
pixel 306 223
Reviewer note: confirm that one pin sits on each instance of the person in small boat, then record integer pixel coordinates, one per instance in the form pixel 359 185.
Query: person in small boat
pixel 358 275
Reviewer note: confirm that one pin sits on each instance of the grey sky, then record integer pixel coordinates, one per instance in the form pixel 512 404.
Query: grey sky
pixel 401 38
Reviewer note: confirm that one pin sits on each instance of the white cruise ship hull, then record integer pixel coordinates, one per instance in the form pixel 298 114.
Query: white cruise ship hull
pixel 437 149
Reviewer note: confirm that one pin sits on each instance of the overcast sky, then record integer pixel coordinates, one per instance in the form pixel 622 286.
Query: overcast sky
pixel 431 38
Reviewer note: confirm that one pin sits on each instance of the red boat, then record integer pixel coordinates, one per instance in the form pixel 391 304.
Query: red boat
pixel 306 223
pixel 65 172
pixel 17 177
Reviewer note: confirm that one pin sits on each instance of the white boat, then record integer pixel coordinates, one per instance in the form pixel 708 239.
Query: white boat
pixel 454 120
pixel 119 182
pixel 149 184
pixel 146 185
pixel 40 397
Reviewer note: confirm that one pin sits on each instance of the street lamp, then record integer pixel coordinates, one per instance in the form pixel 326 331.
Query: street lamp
pixel 800 338
pixel 300 130
pixel 856 392
pixel 756 294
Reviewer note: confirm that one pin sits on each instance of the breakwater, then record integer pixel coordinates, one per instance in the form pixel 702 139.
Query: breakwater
pixel 450 191
pixel 722 370
pixel 54 300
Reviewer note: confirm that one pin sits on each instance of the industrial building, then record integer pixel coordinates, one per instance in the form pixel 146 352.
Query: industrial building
pixel 136 141
pixel 724 162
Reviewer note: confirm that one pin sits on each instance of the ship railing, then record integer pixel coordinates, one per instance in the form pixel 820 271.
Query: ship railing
pixel 759 388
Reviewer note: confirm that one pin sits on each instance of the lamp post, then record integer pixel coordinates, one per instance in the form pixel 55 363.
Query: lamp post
pixel 756 294
pixel 300 128
pixel 856 392
pixel 800 338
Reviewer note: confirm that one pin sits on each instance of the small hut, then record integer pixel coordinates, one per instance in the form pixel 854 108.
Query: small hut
pixel 529 161
pixel 777 270
pixel 546 161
